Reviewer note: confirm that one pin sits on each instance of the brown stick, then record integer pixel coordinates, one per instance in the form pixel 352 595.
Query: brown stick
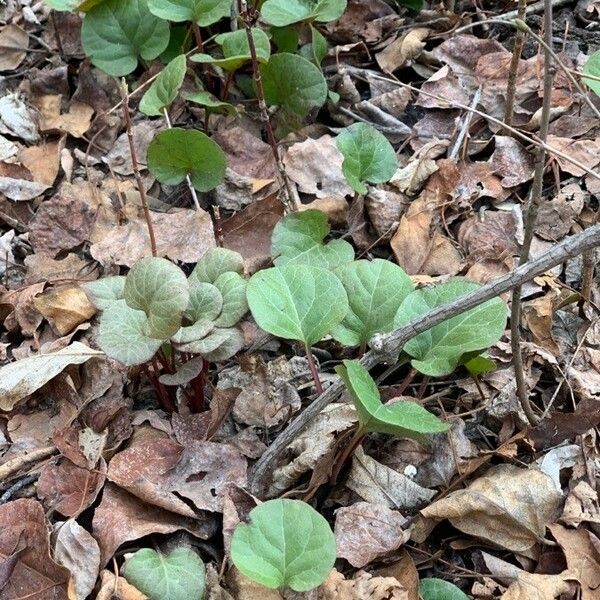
pixel 385 347
pixel 136 166
pixel 14 465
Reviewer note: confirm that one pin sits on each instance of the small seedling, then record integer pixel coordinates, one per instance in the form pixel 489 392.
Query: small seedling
pixel 440 350
pixel 178 575
pixel 438 589
pixel 286 544
pixel 287 12
pixel 368 156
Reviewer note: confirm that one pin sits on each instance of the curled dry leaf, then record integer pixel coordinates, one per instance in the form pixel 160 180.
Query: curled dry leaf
pixel 362 585
pixel 14 42
pixel 117 588
pixel 403 50
pixel 509 507
pixel 75 122
pixel 65 307
pixel 365 531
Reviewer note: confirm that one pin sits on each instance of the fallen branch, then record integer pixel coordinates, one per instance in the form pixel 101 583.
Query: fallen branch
pixel 384 347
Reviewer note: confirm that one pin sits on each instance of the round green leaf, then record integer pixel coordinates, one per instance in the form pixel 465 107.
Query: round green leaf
pixel 438 589
pixel 160 289
pixel 215 262
pixel 368 156
pixel 286 12
pixel 592 67
pixel 233 290
pixel 202 12
pixel 298 239
pixel 175 153
pixel 122 335
pixel 438 351
pixel 164 89
pixel 192 333
pixel 402 418
pixel 297 302
pixel 103 292
pixel 375 291
pixel 293 83
pixel 115 33
pixel 175 576
pixel 219 344
pixel 206 301
pixel 286 544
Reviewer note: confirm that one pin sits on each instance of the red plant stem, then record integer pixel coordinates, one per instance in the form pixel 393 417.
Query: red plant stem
pixel 161 392
pixel 313 369
pixel 407 381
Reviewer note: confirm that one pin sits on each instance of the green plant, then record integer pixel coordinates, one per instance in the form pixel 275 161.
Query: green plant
pixel 438 351
pixel 164 89
pixel 286 544
pixel 438 589
pixel 368 156
pixel 178 575
pixel 200 12
pixel 288 12
pixel 592 68
pixel 156 315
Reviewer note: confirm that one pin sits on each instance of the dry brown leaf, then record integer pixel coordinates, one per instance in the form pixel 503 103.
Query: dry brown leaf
pixel 335 207
pixel 363 586
pixel 385 208
pixel 244 588
pixel 78 551
pixel 20 311
pixel 379 484
pixel 14 42
pixel 420 250
pixel 117 588
pixel 75 122
pixel 119 157
pixel 42 161
pixel 403 50
pixel 583 559
pixel 65 307
pixel 411 178
pixel 405 572
pixel 555 217
pixel 531 586
pixel 539 316
pixel 23 526
pixel 16 182
pixel 581 506
pixel 17 118
pixel 511 161
pixel 508 506
pixel 585 151
pixel 43 268
pixel 121 517
pixel 365 531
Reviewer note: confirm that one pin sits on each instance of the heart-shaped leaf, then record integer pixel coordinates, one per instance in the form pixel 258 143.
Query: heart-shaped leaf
pixel 176 153
pixel 317 50
pixel 160 289
pixel 368 156
pixel 115 33
pixel 375 291
pixel 206 301
pixel 438 351
pixel 298 239
pixel 233 291
pixel 202 12
pixel 219 344
pixel 175 576
pixel 103 292
pixel 286 12
pixel 164 88
pixel 402 418
pixel 438 589
pixel 592 67
pixel 286 544
pixel 215 262
pixel 236 50
pixel 297 302
pixel 122 335
pixel 294 84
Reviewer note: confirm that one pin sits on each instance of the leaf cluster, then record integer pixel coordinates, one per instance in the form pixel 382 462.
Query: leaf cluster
pixel 156 304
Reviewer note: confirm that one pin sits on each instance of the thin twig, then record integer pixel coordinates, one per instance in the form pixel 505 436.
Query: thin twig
pixel 188 179
pixel 386 346
pixel 513 70
pixel 287 197
pixel 136 166
pixel 530 211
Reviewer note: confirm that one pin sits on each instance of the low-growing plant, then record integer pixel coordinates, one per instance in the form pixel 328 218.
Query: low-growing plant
pixel 432 588
pixel 158 316
pixel 178 575
pixel 286 544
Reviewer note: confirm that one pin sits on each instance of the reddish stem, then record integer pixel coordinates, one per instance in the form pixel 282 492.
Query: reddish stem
pixel 313 369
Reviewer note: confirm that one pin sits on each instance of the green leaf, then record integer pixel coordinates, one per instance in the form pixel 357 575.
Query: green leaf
pixel 175 153
pixel 294 84
pixel 103 292
pixel 206 301
pixel 192 333
pixel 438 589
pixel 236 50
pixel 202 12
pixel 219 344
pixel 592 67
pixel 438 351
pixel 215 262
pixel 72 5
pixel 368 156
pixel 298 239
pixel 287 12
pixel 164 89
pixel 297 302
pixel 285 38
pixel 375 291
pixel 122 335
pixel 480 364
pixel 115 33
pixel 286 544
pixel 402 418
pixel 318 46
pixel 179 43
pixel 211 103
pixel 233 290
pixel 175 576
pixel 160 289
